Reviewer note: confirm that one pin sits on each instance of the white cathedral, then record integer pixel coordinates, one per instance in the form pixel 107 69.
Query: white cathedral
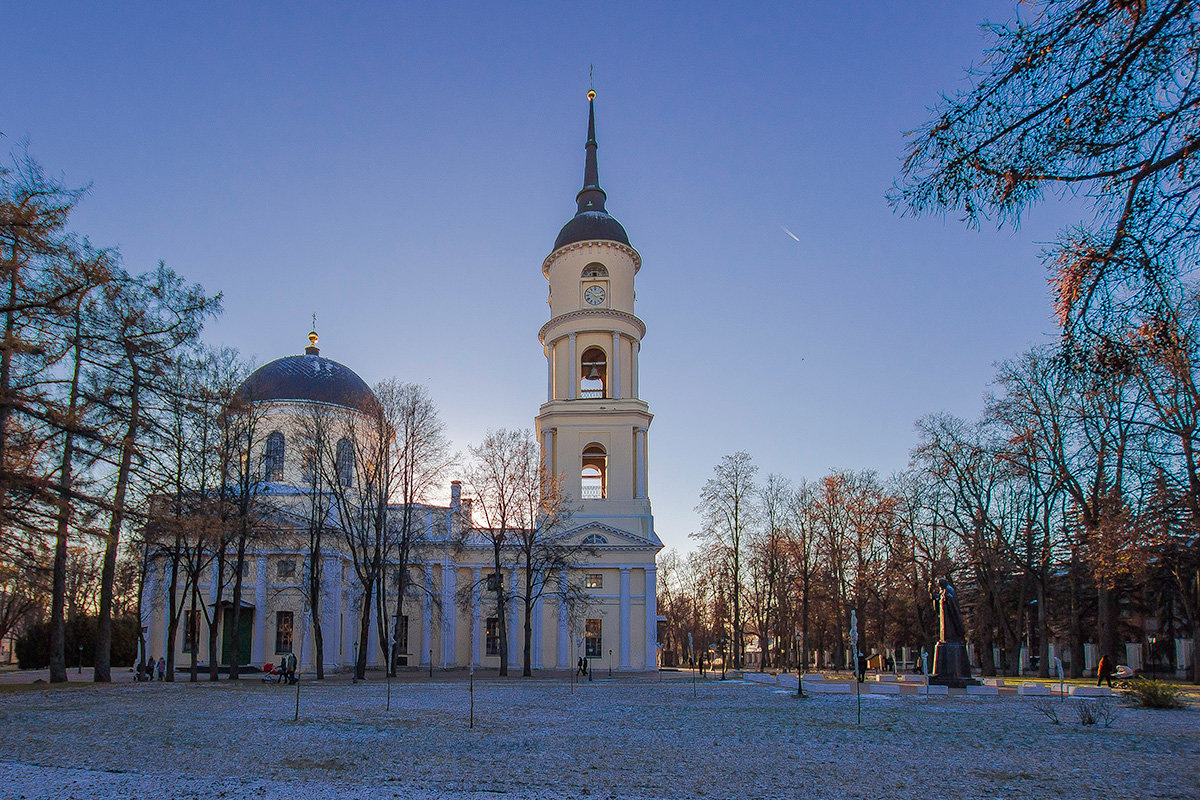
pixel 593 434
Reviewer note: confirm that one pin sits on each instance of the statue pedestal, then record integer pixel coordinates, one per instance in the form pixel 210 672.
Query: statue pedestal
pixel 951 666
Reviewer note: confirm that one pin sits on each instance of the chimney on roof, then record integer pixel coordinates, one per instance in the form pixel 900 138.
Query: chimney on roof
pixel 455 505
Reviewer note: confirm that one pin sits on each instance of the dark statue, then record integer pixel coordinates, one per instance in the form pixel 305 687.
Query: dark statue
pixel 949 615
pixel 951 663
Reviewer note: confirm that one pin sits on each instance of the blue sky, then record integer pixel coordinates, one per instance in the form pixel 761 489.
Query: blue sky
pixel 402 170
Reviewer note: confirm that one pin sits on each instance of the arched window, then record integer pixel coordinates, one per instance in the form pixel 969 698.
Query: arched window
pixel 593 374
pixel 345 463
pixel 595 468
pixel 595 270
pixel 594 538
pixel 273 458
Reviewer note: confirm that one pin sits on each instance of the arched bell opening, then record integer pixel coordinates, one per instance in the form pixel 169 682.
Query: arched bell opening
pixel 594 474
pixel 594 270
pixel 593 374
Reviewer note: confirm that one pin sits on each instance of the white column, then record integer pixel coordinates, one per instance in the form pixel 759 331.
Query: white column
pixel 536 633
pixel 564 640
pixel 625 618
pixel 373 654
pixel 550 371
pixel 427 617
pixel 637 348
pixel 476 617
pixel 331 607
pixel 147 620
pixel 651 618
pixel 257 655
pixel 573 381
pixel 616 366
pixel 639 436
pixel 548 449
pixel 349 618
pixel 513 620
pixel 449 617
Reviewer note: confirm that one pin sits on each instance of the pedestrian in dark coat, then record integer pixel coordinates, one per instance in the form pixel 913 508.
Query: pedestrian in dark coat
pixel 1105 670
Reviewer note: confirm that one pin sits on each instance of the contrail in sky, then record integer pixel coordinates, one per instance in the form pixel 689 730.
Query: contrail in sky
pixel 789 233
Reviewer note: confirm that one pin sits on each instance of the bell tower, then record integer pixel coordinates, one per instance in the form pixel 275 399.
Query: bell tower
pixel 593 426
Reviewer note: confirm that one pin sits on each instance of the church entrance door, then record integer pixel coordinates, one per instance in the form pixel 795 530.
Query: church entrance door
pixel 245 635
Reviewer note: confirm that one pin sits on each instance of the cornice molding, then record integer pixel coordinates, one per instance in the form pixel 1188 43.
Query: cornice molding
pixel 594 313
pixel 569 248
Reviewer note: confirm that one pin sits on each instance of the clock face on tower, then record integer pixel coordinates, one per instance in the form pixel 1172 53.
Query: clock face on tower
pixel 594 295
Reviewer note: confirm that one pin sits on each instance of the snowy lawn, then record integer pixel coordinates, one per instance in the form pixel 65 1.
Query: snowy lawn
pixel 630 737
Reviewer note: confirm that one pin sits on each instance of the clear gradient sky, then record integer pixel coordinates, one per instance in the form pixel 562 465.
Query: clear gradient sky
pixel 402 170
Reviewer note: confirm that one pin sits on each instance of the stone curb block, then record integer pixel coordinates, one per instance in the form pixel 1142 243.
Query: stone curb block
pixel 817 687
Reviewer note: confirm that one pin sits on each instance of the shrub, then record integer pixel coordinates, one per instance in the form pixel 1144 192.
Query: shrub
pixel 33 646
pixel 1149 693
pixel 1093 711
pixel 1047 709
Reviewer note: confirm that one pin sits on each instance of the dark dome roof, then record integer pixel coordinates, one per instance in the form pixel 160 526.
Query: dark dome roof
pixel 309 377
pixel 588 225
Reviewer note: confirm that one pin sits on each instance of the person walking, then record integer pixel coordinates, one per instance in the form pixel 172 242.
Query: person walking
pixel 289 667
pixel 1105 670
pixel 162 669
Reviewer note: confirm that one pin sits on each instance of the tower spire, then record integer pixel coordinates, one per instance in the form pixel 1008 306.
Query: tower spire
pixel 591 197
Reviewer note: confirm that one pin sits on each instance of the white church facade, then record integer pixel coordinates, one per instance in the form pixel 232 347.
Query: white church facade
pixel 593 433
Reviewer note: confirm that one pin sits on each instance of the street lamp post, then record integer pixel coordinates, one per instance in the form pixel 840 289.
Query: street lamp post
pixel 355 679
pixel 81 659
pixel 610 662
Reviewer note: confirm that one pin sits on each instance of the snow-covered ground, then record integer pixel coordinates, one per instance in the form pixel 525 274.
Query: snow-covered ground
pixel 631 737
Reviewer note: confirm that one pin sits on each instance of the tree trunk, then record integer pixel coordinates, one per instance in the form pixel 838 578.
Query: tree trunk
pixel 58 655
pixel 173 613
pixel 364 631
pixel 194 637
pixel 103 658
pixel 235 637
pixel 315 575
pixel 1074 623
pixel 1043 617
pixel 501 608
pixel 1106 621
pixel 986 638
pixel 527 654
pixel 214 665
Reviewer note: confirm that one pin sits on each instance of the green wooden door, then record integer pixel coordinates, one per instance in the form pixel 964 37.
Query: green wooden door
pixel 245 635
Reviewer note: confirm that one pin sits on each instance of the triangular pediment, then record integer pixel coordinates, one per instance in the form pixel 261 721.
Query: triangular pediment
pixel 614 537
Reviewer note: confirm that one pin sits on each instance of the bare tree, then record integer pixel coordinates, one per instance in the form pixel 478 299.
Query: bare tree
pixel 146 321
pixel 361 490
pixel 420 455
pixel 1092 97
pixel 727 505
pixel 498 476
